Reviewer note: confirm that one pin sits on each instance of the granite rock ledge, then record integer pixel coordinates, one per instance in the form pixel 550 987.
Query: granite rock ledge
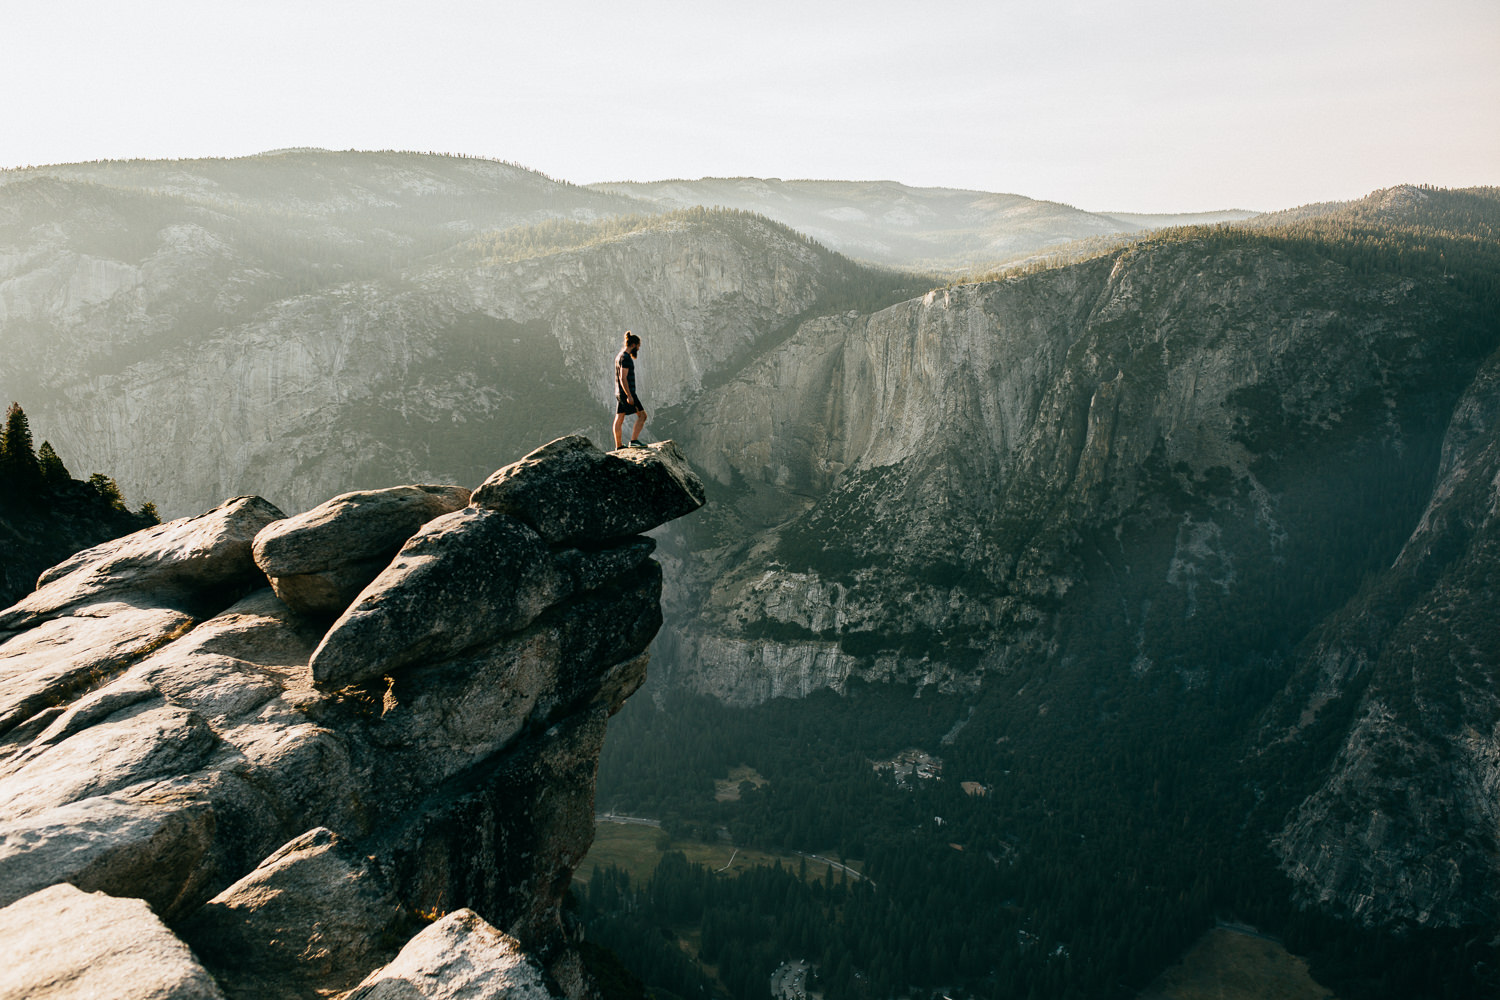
pixel 283 804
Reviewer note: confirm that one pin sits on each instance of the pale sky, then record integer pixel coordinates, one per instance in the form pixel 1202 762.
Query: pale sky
pixel 1130 105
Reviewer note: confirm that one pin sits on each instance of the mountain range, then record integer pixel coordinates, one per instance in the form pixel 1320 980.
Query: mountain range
pixel 1230 481
pixel 891 224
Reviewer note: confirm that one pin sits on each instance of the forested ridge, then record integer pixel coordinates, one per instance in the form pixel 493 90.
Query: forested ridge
pixel 851 285
pixel 1412 231
pixel 218 241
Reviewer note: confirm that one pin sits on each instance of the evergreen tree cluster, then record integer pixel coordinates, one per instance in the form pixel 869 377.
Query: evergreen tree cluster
pixel 36 477
pixel 45 514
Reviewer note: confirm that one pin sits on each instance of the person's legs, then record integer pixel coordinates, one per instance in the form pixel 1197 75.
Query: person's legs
pixel 640 421
pixel 619 425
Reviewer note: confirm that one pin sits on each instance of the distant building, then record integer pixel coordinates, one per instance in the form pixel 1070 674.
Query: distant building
pixel 910 763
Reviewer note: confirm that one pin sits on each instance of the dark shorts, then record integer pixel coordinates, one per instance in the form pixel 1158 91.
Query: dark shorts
pixel 626 406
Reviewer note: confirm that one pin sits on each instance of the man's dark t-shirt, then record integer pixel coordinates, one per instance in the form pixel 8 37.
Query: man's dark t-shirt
pixel 628 363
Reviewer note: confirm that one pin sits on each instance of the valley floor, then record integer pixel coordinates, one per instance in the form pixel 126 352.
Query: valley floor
pixel 1229 962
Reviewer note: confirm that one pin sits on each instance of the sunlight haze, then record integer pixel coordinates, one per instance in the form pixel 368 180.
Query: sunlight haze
pixel 1148 107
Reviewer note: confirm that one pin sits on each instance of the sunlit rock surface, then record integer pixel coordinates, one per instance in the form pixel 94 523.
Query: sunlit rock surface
pixel 458 957
pixel 65 944
pixel 169 735
pixel 320 560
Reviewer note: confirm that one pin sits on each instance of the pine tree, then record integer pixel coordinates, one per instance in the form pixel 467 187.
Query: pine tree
pixel 54 473
pixel 109 490
pixel 20 475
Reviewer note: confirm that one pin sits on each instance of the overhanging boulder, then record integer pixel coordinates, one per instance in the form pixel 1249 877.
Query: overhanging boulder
pixel 572 493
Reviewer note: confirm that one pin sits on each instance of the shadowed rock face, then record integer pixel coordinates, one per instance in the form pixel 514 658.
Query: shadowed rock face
pixel 294 799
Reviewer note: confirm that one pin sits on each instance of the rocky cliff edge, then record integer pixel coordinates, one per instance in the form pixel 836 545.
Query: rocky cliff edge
pixel 349 752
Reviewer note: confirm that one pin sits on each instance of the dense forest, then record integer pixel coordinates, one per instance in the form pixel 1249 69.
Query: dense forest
pixel 1067 867
pixel 45 514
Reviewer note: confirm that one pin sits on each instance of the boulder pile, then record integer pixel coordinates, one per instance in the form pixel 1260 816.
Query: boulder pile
pixel 350 752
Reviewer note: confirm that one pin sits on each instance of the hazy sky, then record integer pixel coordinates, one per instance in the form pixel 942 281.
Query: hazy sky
pixel 1129 106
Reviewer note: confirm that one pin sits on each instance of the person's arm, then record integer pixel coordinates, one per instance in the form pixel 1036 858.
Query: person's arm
pixel 622 380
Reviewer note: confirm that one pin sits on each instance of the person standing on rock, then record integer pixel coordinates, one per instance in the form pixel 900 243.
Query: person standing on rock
pixel 626 400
